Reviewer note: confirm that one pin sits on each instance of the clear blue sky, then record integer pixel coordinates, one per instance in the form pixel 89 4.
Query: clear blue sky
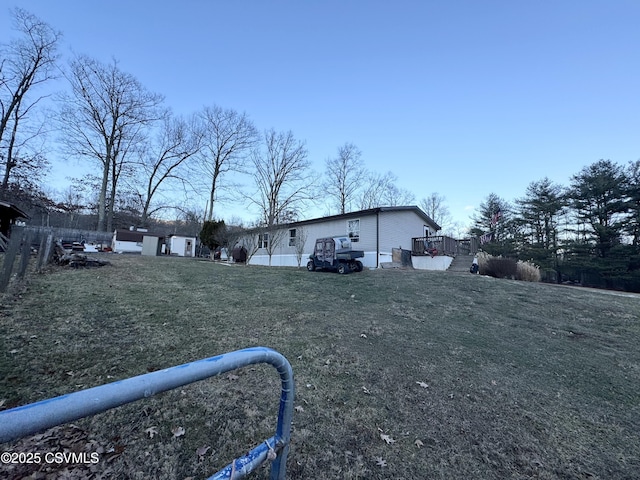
pixel 462 97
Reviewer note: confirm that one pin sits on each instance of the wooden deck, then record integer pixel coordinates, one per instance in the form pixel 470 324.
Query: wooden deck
pixel 443 245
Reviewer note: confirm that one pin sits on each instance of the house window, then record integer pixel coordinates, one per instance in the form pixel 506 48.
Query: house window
pixel 263 240
pixel 292 237
pixel 353 230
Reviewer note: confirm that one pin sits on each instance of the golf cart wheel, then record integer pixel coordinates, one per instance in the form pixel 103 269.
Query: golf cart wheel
pixel 311 266
pixel 359 266
pixel 342 268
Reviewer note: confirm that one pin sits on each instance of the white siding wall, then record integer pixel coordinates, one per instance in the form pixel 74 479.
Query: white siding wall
pixel 285 256
pixel 127 247
pixel 396 228
pixel 179 244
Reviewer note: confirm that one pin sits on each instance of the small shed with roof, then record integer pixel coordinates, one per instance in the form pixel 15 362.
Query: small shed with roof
pixel 9 214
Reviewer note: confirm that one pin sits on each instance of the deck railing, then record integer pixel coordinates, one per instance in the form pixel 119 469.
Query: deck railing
pixel 29 419
pixel 443 245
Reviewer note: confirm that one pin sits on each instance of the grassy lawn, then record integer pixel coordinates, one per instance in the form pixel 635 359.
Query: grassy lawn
pixel 465 376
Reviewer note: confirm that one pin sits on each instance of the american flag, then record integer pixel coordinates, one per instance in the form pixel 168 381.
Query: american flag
pixel 495 217
pixel 486 238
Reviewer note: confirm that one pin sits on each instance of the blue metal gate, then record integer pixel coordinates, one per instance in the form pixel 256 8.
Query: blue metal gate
pixel 29 419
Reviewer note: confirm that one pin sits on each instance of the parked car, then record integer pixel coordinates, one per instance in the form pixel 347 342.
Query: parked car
pixel 335 253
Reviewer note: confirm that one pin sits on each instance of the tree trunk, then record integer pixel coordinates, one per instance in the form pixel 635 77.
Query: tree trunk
pixel 214 182
pixel 102 199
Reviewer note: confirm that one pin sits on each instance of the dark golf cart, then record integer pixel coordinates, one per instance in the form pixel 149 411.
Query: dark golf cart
pixel 334 253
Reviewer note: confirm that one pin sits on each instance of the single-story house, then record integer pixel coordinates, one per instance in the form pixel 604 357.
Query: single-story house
pixel 376 231
pixel 181 246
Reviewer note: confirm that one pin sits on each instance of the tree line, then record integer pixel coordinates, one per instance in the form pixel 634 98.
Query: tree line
pixel 587 231
pixel 147 160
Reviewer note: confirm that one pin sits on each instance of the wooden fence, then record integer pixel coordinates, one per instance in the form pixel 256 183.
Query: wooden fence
pixel 40 240
pixel 69 234
pixel 18 247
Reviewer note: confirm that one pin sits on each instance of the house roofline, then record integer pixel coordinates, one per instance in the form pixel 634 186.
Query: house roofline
pixel 369 211
pixel 125 235
pixel 18 213
pixel 359 213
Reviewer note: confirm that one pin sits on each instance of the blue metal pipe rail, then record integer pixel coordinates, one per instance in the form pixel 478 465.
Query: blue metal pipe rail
pixel 29 419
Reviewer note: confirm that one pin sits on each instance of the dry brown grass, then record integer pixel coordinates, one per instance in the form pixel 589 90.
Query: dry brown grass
pixel 525 380
pixel 500 267
pixel 528 272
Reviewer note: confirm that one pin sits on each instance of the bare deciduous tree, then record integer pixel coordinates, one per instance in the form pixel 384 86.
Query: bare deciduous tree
pixel 381 191
pixel 434 206
pixel 189 220
pixel 227 138
pixel 395 196
pixel 282 176
pixel 72 203
pixel 105 119
pixel 301 240
pixel 26 62
pixel 250 243
pixel 177 141
pixel 275 237
pixel 344 176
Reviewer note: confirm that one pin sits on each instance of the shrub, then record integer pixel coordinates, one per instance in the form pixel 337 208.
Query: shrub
pixel 483 258
pixel 527 271
pixel 500 267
